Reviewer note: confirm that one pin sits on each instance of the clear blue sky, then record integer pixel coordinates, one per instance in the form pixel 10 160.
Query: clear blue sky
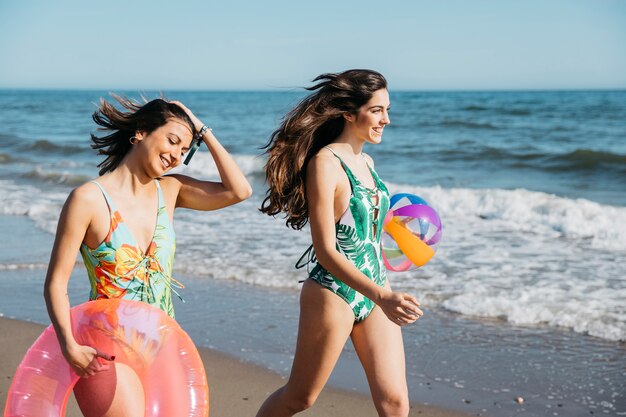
pixel 236 44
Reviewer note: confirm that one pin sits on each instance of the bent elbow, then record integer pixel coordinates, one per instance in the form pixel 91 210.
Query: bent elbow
pixel 244 193
pixel 324 255
pixel 248 192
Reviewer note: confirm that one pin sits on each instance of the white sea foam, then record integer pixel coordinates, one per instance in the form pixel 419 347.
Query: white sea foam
pixel 203 165
pixel 528 258
pixel 12 267
pixel 57 177
pixel 42 206
pixel 524 257
pixel 523 211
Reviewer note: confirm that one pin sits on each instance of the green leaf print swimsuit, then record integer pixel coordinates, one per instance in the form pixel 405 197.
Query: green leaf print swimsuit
pixel 358 234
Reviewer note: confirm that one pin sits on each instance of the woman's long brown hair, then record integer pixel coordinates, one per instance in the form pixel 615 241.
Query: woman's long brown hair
pixel 314 123
pixel 140 117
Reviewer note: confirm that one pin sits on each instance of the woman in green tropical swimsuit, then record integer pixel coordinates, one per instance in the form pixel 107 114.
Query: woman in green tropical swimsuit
pixel 318 174
pixel 358 239
pixel 122 225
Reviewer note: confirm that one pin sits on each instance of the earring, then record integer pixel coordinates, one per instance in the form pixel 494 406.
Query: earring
pixel 133 140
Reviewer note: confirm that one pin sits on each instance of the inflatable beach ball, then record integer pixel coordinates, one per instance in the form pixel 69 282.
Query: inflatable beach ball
pixel 412 231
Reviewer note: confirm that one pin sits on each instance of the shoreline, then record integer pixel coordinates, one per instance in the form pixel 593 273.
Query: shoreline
pixel 239 388
pixel 468 365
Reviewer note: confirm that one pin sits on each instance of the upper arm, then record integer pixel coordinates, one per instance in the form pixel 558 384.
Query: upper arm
pixel 73 223
pixel 321 184
pixel 195 194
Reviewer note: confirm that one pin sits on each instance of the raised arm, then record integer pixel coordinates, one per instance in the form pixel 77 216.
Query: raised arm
pixel 321 185
pixel 73 223
pixel 209 195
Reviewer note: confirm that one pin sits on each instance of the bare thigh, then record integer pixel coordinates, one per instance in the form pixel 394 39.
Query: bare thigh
pixel 378 343
pixel 326 321
pixel 117 392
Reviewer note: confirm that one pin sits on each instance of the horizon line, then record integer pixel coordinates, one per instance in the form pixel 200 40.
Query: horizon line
pixel 298 89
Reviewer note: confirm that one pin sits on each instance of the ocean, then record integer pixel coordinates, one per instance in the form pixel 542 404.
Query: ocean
pixel 530 187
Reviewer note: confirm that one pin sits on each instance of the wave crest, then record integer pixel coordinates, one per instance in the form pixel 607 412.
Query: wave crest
pixel 67 178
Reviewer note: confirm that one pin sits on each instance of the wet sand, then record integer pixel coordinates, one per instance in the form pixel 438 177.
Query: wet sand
pixel 237 388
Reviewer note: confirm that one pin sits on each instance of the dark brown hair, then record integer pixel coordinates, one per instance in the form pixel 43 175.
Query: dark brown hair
pixel 314 123
pixel 140 117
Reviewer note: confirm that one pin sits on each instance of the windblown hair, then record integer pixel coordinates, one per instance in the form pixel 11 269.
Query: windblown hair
pixel 140 117
pixel 314 123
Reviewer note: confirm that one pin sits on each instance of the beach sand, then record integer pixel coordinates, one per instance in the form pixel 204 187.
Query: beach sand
pixel 237 389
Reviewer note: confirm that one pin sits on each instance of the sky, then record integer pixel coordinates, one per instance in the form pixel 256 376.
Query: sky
pixel 261 45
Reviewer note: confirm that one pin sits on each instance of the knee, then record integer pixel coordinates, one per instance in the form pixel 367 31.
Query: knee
pixel 300 401
pixel 395 405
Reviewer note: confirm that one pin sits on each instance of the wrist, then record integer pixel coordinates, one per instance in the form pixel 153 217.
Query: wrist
pixel 203 130
pixel 380 294
pixel 68 347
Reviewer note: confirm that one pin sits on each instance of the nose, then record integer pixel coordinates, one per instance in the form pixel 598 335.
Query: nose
pixel 176 155
pixel 386 120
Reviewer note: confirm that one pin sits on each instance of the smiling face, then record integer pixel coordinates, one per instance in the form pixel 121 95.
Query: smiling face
pixel 164 148
pixel 368 123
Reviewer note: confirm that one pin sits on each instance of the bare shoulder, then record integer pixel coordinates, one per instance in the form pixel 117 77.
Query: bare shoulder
pixel 323 173
pixel 171 186
pixel 171 183
pixel 86 194
pixel 83 203
pixel 323 162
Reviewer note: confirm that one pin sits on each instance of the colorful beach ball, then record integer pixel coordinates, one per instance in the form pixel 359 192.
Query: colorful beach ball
pixel 412 231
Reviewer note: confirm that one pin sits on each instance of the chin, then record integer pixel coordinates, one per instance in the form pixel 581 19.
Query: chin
pixel 156 172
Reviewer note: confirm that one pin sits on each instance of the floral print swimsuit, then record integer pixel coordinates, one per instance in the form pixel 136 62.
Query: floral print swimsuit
pixel 358 234
pixel 118 268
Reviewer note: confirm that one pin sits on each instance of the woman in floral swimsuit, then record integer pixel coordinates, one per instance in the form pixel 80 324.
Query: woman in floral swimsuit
pixel 317 173
pixel 122 225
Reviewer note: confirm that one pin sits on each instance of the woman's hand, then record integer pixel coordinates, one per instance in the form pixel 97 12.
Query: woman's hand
pixel 400 308
pixel 87 361
pixel 198 194
pixel 196 122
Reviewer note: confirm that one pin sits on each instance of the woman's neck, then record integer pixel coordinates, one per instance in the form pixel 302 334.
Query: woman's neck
pixel 348 143
pixel 129 177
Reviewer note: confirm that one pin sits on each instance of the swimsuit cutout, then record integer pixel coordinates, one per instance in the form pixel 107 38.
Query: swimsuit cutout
pixel 118 268
pixel 358 233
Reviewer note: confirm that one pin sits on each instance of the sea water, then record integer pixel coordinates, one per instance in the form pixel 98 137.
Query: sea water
pixel 530 187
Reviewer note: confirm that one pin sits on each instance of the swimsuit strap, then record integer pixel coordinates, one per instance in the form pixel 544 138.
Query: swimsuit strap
pixel 354 181
pixel 161 200
pixel 380 185
pixel 345 167
pixel 108 199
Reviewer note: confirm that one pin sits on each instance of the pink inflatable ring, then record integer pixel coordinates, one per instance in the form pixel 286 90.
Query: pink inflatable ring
pixel 139 336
